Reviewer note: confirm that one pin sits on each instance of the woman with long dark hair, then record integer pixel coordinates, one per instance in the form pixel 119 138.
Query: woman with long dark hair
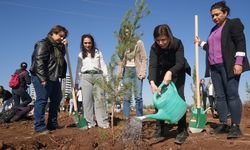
pixel 91 68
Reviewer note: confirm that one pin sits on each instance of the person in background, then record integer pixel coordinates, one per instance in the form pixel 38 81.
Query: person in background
pixel 211 97
pixel 226 60
pixel 79 100
pixel 203 93
pixel 6 97
pixel 91 68
pixel 168 64
pixel 133 69
pixel 48 66
pixel 71 105
pixel 20 93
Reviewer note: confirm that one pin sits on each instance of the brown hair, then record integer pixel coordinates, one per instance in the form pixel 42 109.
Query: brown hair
pixel 58 28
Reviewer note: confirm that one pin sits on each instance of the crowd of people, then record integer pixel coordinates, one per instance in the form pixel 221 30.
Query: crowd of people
pixel 226 60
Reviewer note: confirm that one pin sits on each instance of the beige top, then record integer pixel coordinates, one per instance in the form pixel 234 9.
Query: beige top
pixel 140 61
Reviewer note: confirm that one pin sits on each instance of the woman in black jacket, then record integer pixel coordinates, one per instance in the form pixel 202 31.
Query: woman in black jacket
pixel 226 60
pixel 167 63
pixel 47 66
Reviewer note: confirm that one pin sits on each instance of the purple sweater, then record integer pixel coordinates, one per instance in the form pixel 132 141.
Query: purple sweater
pixel 214 52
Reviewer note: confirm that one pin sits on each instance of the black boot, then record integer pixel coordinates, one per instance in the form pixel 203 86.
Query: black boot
pixel 160 132
pixel 181 137
pixel 234 131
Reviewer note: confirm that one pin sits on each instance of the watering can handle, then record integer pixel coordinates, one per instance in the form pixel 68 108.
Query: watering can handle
pixel 170 84
pixel 163 84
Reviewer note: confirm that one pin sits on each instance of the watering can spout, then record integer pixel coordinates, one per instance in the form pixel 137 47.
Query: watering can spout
pixel 160 115
pixel 140 118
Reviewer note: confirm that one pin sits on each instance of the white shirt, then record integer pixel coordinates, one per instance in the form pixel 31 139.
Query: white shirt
pixel 211 90
pixel 96 63
pixel 79 95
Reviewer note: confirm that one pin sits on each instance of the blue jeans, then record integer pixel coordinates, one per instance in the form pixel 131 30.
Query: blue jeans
pixel 52 91
pixel 227 96
pixel 130 76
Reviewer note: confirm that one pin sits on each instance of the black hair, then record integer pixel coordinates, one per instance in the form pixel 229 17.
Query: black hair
pixel 222 6
pixel 23 65
pixel 1 89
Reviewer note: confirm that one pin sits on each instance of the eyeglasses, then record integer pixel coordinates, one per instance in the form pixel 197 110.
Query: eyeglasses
pixel 87 42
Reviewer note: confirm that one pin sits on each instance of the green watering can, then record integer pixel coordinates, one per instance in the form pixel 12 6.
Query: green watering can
pixel 171 107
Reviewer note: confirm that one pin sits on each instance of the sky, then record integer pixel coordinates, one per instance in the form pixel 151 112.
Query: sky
pixel 25 22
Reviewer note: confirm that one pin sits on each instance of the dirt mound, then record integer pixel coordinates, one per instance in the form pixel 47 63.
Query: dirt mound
pixel 20 135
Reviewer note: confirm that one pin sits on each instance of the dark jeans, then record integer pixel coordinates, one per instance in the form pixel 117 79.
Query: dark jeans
pixel 52 91
pixel 21 93
pixel 204 100
pixel 227 96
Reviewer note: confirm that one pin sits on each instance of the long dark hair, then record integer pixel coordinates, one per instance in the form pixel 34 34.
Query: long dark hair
pixel 222 6
pixel 163 30
pixel 83 49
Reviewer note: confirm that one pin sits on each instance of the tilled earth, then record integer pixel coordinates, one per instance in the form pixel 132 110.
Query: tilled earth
pixel 19 135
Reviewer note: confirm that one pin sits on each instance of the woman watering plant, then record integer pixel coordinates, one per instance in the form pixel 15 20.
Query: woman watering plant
pixel 167 63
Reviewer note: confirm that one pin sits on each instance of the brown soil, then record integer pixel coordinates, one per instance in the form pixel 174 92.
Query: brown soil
pixel 20 135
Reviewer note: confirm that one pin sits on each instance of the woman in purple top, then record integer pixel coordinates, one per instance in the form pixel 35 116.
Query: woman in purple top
pixel 226 59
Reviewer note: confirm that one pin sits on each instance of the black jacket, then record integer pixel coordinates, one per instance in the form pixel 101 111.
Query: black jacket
pixel 5 95
pixel 172 59
pixel 232 41
pixel 44 64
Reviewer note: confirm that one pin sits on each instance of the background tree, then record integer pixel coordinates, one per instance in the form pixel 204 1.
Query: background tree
pixel 248 92
pixel 193 86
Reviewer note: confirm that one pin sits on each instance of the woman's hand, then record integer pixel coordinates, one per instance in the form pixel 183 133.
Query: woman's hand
pixel 168 77
pixel 65 42
pixel 237 69
pixel 154 88
pixel 197 40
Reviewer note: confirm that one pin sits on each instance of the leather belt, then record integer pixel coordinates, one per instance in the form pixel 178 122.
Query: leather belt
pixel 92 72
